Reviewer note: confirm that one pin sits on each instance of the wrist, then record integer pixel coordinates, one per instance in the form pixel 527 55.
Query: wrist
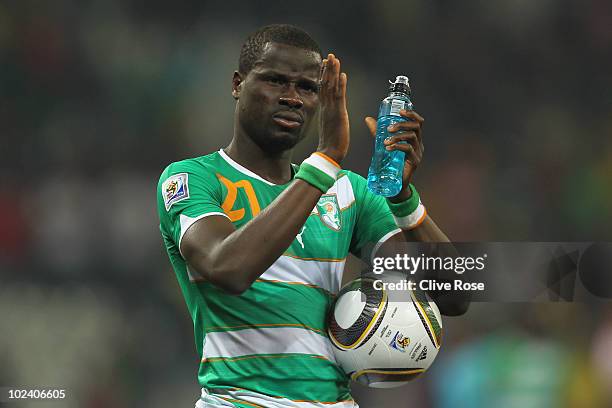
pixel 404 195
pixel 332 154
pixel 408 214
pixel 319 170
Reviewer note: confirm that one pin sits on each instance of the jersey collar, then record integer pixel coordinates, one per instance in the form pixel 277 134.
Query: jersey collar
pixel 248 172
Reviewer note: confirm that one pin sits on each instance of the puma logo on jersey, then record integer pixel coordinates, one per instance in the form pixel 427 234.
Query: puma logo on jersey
pixel 299 236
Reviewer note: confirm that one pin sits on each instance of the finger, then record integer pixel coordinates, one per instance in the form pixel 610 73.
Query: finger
pixel 342 80
pixel 371 124
pixel 408 126
pixel 410 114
pixel 332 74
pixel 328 71
pixel 411 155
pixel 323 66
pixel 324 76
pixel 408 137
pixel 336 75
pixel 421 119
pixel 404 126
pixel 402 147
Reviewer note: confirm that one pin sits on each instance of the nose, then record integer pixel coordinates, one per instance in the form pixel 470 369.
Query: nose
pixel 291 98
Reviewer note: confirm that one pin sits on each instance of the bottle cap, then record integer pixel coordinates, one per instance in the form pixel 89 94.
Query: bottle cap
pixel 400 85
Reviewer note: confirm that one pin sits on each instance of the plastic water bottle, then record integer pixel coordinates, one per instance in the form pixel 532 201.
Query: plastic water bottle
pixel 387 167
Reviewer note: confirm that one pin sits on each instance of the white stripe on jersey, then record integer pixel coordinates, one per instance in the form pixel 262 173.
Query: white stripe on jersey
pixel 277 340
pixel 213 399
pixel 323 274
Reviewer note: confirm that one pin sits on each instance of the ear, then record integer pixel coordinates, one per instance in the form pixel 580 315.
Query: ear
pixel 236 85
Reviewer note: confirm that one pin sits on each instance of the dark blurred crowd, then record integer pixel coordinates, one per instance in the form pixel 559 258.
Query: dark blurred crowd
pixel 97 97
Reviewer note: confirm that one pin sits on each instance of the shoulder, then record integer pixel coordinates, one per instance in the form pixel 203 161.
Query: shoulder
pixel 350 188
pixel 182 178
pixel 352 176
pixel 357 182
pixel 195 165
pixel 359 186
pixel 196 170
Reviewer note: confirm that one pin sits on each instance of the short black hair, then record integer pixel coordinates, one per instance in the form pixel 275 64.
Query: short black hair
pixel 278 33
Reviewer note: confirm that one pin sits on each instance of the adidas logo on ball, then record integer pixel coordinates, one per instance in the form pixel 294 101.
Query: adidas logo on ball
pixel 423 354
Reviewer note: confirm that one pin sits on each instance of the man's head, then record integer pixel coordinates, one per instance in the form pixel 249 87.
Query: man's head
pixel 286 34
pixel 276 86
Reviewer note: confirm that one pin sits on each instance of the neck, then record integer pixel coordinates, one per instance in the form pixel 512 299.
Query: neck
pixel 274 167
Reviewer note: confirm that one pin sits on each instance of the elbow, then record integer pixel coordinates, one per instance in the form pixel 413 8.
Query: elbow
pixel 452 304
pixel 225 274
pixel 229 280
pixel 453 309
pixel 231 288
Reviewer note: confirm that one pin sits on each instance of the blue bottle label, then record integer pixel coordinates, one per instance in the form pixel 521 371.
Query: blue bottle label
pixel 396 106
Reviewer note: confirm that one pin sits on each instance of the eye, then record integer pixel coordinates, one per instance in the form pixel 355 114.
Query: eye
pixel 275 80
pixel 309 87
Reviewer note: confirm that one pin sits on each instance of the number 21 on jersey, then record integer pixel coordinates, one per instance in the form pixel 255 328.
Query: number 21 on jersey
pixel 232 194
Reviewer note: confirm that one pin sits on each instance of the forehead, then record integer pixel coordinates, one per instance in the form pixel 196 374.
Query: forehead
pixel 289 59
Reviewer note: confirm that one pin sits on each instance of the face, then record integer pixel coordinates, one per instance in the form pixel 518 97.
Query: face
pixel 278 98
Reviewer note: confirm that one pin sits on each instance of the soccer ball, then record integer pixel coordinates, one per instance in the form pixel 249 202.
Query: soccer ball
pixel 384 338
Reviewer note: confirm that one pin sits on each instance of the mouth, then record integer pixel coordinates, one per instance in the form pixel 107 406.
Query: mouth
pixel 288 119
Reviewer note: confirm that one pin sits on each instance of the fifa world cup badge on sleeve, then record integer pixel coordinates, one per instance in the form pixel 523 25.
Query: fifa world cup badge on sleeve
pixel 175 189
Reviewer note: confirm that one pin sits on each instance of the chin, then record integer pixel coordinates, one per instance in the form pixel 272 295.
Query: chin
pixel 279 141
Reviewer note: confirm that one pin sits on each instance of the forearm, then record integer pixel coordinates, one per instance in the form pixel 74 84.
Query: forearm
pixel 450 303
pixel 428 231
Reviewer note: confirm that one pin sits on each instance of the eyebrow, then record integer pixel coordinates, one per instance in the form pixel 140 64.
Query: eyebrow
pixel 272 71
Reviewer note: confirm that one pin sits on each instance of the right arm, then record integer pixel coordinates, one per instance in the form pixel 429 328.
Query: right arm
pixel 232 259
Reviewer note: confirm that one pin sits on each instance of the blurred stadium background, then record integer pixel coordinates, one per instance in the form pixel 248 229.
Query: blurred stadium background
pixel 98 96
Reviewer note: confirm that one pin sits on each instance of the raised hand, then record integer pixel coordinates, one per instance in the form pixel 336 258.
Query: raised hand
pixel 410 133
pixel 334 133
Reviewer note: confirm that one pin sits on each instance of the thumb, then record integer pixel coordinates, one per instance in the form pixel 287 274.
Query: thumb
pixel 371 124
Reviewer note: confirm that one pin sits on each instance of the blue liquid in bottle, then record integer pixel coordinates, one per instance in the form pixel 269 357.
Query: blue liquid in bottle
pixel 387 167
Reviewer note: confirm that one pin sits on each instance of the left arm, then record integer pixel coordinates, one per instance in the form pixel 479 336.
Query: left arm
pixel 407 137
pixel 411 133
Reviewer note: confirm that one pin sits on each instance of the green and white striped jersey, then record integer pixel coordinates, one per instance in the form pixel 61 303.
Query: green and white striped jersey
pixel 268 346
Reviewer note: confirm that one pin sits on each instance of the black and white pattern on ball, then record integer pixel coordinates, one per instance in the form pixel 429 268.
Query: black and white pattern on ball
pixel 428 318
pixel 367 322
pixel 382 375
